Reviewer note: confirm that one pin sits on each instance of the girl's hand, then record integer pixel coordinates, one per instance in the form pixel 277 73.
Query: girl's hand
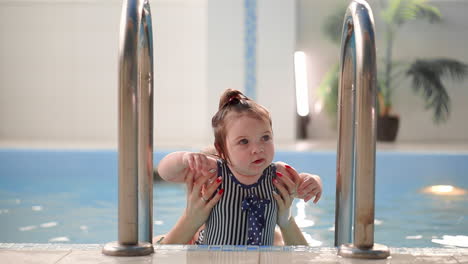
pixel 200 203
pixel 307 185
pixel 310 187
pixel 199 163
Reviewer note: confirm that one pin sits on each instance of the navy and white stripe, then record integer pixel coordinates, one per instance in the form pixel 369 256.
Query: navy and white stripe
pixel 228 223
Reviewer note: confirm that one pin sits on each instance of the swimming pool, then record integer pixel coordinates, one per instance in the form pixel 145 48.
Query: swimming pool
pixel 67 196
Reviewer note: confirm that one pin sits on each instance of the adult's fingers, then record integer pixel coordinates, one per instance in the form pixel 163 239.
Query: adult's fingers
pixel 211 188
pixel 211 203
pixel 279 201
pixel 290 185
pixel 189 180
pixel 283 192
pixel 199 181
pixel 293 172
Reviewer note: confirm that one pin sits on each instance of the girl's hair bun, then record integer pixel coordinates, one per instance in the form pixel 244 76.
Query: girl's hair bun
pixel 230 95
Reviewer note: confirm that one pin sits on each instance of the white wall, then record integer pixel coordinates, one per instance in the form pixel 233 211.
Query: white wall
pixel 275 49
pixel 180 87
pixel 58 69
pixel 275 69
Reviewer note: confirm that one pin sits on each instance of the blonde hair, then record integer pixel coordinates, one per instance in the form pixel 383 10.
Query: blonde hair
pixel 234 101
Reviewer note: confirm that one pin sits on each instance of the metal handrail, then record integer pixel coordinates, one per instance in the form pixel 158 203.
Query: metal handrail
pixel 135 144
pixel 355 188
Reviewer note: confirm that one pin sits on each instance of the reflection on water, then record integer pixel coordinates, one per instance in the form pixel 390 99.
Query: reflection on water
pixel 49 224
pixel 27 228
pixel 59 239
pixel 444 190
pixel 412 219
pixel 60 218
pixel 414 237
pixel 300 217
pixel 71 197
pixel 458 241
pixel 37 208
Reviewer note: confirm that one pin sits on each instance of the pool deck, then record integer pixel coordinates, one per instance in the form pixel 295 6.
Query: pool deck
pixel 91 253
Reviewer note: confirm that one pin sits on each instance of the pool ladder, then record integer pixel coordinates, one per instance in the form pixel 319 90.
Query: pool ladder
pixel 135 129
pixel 356 143
pixel 355 173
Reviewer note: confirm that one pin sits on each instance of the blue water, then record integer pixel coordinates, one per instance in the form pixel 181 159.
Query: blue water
pixel 71 197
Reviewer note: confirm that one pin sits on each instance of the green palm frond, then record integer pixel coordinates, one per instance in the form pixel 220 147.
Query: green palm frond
pixel 428 76
pixel 400 11
pixel 328 91
pixel 427 79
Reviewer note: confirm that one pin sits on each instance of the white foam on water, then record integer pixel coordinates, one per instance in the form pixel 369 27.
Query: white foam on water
pixel 27 228
pixel 49 224
pixel 59 239
pixel 457 241
pixel 84 228
pixel 37 208
pixel 414 237
pixel 312 242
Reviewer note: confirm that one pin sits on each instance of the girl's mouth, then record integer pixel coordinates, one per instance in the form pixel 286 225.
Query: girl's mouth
pixel 259 161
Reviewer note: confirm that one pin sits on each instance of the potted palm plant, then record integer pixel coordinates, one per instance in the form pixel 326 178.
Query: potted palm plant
pixel 426 74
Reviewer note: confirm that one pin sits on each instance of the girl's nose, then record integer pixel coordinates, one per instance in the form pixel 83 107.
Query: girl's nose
pixel 258 149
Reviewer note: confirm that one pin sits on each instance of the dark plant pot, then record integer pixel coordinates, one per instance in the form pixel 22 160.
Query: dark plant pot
pixel 387 128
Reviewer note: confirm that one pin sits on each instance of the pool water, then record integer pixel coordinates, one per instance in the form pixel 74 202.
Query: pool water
pixel 71 197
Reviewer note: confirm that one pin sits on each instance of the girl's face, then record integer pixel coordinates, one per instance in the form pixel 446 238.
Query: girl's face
pixel 249 144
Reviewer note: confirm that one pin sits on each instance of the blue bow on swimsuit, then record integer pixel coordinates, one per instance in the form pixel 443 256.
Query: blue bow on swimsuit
pixel 255 208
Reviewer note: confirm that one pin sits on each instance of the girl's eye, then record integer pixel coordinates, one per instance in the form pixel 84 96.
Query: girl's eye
pixel 243 141
pixel 266 138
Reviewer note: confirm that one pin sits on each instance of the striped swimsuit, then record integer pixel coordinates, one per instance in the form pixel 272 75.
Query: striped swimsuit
pixel 238 209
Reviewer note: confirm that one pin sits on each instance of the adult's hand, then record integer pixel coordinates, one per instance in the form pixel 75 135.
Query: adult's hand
pixel 201 196
pixel 200 202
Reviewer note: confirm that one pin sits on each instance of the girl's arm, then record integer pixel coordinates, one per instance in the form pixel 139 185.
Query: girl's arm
pixel 174 166
pixel 171 167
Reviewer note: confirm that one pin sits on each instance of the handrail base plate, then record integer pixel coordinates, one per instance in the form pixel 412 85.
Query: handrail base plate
pixel 376 252
pixel 117 249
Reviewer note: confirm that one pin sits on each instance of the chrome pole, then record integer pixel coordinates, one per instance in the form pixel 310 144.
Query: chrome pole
pixel 345 153
pixel 145 127
pixel 135 75
pixel 357 102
